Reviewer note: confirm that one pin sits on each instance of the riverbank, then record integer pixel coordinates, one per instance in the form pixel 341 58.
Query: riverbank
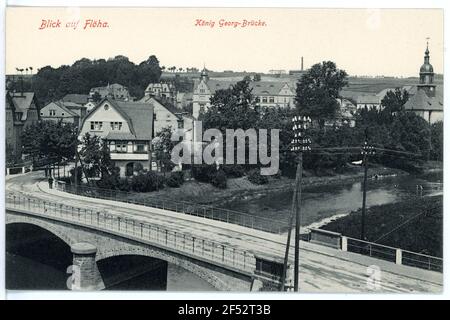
pixel 205 193
pixel 415 225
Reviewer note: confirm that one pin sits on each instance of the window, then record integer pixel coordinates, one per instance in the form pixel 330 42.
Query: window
pixel 52 112
pixel 19 115
pixel 106 107
pixel 121 147
pixel 264 99
pixel 62 113
pixel 41 114
pixel 258 99
pixel 154 116
pixel 202 90
pixel 97 125
pixel 116 125
pixel 140 147
pixel 271 99
pixel 180 124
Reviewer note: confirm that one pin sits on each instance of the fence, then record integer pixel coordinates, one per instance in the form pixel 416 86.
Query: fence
pixel 204 211
pixel 392 254
pixel 188 245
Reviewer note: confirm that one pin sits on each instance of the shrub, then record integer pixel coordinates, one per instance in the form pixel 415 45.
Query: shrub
pixel 204 172
pixel 175 179
pixel 254 176
pixel 234 171
pixel 219 179
pixel 146 182
pixel 124 185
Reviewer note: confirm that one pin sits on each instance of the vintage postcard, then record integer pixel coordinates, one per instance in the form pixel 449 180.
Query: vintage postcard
pixel 224 149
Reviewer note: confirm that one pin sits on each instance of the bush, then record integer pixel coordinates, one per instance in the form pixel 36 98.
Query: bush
pixel 175 179
pixel 124 185
pixel 146 182
pixel 234 171
pixel 254 176
pixel 219 179
pixel 204 172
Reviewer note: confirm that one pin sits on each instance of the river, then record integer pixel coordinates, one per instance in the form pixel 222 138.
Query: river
pixel 319 204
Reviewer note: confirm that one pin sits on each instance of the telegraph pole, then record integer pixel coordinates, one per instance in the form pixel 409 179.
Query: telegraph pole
pixel 366 151
pixel 300 143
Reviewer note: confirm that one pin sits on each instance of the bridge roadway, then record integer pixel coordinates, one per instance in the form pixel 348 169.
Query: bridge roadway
pixel 322 269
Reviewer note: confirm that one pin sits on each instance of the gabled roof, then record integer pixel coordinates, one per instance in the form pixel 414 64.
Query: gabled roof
pixel 76 98
pixel 165 104
pixel 259 88
pixel 22 102
pixel 139 117
pixel 421 101
pixel 62 105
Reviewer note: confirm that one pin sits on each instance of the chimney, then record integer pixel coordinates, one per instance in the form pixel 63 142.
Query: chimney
pixel 302 64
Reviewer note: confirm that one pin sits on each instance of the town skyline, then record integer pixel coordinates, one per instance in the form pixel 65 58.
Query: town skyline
pixel 323 35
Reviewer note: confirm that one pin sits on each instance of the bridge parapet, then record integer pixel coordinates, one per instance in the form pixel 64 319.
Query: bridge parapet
pixel 205 250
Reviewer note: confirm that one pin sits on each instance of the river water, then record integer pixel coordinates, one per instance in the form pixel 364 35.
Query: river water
pixel 319 204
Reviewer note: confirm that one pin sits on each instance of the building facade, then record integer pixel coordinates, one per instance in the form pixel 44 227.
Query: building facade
pixel 161 90
pixel 267 93
pixel 22 109
pixel 114 91
pixel 67 112
pixel 127 128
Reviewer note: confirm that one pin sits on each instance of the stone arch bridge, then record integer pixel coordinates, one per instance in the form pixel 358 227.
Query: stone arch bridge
pixel 95 236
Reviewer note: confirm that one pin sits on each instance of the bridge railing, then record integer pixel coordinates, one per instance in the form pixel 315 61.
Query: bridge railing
pixel 132 228
pixel 396 255
pixel 204 211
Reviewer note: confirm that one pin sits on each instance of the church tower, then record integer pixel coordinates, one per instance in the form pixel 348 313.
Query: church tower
pixel 427 76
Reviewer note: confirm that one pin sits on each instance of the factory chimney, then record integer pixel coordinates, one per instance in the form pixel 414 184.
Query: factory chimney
pixel 302 64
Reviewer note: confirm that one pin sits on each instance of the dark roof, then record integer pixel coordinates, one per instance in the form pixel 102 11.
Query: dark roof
pixel 259 88
pixel 139 117
pixel 76 98
pixel 22 102
pixel 166 104
pixel 421 101
pixel 62 105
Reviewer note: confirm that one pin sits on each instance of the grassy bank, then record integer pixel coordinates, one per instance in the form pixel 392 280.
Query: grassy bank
pixel 205 193
pixel 415 225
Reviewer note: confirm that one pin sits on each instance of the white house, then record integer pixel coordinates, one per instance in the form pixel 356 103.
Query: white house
pixel 127 128
pixel 267 93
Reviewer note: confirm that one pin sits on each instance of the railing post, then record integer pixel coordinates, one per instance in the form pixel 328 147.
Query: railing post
pixel 223 253
pixel 203 247
pixel 193 244
pixel 166 236
pixel 398 256
pixel 344 243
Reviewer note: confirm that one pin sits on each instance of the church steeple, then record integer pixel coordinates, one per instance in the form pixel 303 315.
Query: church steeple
pixel 427 75
pixel 204 75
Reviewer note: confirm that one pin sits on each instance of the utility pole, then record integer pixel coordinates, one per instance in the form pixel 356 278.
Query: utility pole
pixel 300 144
pixel 366 151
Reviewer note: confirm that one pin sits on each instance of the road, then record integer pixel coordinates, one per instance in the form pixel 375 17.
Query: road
pixel 322 269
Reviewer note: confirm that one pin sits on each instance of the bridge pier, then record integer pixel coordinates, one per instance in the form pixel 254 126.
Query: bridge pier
pixel 85 273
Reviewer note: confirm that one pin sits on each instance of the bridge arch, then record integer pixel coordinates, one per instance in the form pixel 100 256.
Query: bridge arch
pixel 202 272
pixel 46 225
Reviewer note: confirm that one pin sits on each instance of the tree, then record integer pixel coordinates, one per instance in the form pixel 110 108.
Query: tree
pixel 91 154
pixel 437 141
pixel 162 146
pixel 50 139
pixel 96 97
pixel 257 77
pixel 318 90
pixel 392 103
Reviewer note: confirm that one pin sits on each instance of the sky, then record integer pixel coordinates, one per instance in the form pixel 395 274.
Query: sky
pixel 372 42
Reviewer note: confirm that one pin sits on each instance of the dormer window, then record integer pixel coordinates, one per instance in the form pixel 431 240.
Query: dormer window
pixel 106 107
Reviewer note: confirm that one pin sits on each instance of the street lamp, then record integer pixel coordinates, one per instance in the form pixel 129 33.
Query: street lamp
pixel 366 151
pixel 299 144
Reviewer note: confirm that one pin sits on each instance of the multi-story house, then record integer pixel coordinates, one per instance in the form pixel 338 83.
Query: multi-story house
pixel 127 128
pixel 267 93
pixel 22 109
pixel 161 90
pixel 68 112
pixel 114 91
